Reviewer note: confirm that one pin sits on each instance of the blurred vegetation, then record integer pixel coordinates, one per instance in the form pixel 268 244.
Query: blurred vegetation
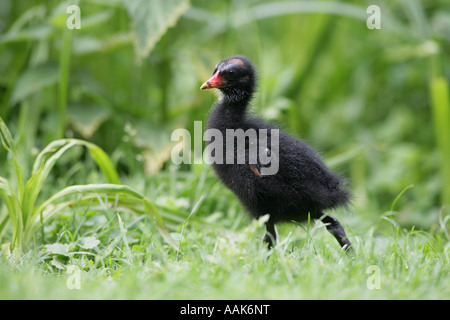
pixel 375 102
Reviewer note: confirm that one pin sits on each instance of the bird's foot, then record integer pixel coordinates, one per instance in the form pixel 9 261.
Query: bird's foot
pixel 268 241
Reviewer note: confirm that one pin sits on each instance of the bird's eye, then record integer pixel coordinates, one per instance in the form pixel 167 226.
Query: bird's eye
pixel 230 73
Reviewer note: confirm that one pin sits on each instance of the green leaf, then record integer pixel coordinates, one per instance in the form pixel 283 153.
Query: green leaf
pixel 63 82
pixel 56 263
pixel 51 207
pixel 151 19
pixel 91 188
pixel 36 33
pixel 87 44
pixel 159 222
pixel 440 101
pixel 57 248
pixel 47 159
pixel 88 242
pixel 123 232
pixel 104 163
pixel 87 118
pixel 34 80
pixel 36 181
pixel 10 146
pixel 12 206
pixel 21 30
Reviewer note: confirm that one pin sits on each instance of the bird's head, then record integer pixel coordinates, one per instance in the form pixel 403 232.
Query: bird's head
pixel 234 76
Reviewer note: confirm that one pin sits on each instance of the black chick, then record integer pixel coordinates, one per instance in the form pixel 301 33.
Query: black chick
pixel 302 185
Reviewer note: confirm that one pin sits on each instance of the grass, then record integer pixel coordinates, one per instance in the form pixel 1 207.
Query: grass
pixel 375 102
pixel 26 214
pixel 119 255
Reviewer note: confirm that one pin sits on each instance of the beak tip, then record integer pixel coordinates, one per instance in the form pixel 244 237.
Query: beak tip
pixel 205 86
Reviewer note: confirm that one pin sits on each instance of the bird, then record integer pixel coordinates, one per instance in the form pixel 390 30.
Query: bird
pixel 302 188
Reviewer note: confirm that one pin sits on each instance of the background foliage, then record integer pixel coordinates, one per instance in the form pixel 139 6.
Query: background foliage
pixel 375 102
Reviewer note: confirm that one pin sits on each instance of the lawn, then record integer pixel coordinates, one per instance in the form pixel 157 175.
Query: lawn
pixel 93 207
pixel 110 254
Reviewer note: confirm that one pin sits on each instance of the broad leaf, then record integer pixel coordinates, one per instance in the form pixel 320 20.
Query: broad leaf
pixel 88 242
pixel 87 118
pixel 34 80
pixel 151 19
pixel 57 248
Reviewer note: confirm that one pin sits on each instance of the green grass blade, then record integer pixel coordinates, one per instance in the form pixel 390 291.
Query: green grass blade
pixel 104 163
pixel 8 143
pixel 14 212
pixel 49 149
pixel 36 181
pixel 159 222
pixel 276 8
pixel 64 62
pixel 441 117
pixel 399 196
pixel 50 204
pixel 100 157
pixel 93 188
pixel 46 160
pixel 123 232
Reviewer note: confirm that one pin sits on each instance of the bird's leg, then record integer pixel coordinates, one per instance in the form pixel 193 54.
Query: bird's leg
pixel 270 237
pixel 335 228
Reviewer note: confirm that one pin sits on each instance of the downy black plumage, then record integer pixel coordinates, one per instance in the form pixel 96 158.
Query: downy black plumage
pixel 303 184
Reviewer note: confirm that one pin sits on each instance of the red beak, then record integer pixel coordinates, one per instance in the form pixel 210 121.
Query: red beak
pixel 215 81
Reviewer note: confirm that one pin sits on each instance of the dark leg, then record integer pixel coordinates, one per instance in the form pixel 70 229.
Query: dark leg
pixel 271 236
pixel 335 228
